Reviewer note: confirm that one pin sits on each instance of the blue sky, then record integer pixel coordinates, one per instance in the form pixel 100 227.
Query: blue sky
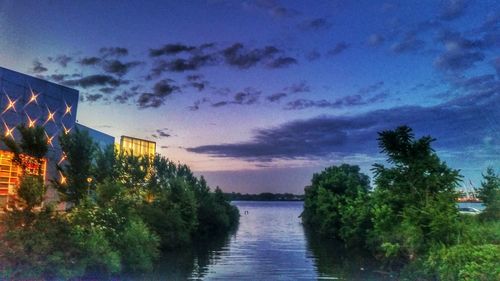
pixel 258 95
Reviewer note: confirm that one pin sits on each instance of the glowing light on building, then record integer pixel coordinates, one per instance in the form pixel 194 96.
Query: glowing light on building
pixel 62 178
pixel 63 157
pixel 49 139
pixel 33 98
pixel 8 131
pixel 50 116
pixel 10 104
pixel 137 147
pixel 68 109
pixel 66 130
pixel 31 122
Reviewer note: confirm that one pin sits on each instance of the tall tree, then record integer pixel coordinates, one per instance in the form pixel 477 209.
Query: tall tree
pixel 77 170
pixel 414 198
pixel 489 194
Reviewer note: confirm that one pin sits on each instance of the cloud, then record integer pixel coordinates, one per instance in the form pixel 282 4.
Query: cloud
pixel 90 61
pixel 93 97
pixel 237 55
pixel 339 48
pixel 247 96
pixel 38 67
pixel 276 97
pixel 62 60
pixel 119 68
pixel 113 51
pixel 454 124
pixel 301 87
pixel 171 49
pixel 347 101
pixel 371 88
pixel 453 9
pixel 375 40
pixel 196 104
pixel 161 90
pixel 282 62
pixel 95 80
pixel 163 133
pixel 315 24
pixel 456 59
pixel 409 44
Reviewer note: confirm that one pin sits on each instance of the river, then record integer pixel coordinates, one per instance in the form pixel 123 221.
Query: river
pixel 269 244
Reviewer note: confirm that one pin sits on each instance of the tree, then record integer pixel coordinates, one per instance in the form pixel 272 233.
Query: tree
pixel 79 149
pixel 489 194
pixel 414 199
pixel 29 153
pixel 336 203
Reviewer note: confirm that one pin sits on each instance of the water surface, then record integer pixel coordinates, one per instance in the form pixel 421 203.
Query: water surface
pixel 269 244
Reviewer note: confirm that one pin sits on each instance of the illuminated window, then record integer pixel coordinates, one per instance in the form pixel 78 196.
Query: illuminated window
pixel 137 147
pixel 10 172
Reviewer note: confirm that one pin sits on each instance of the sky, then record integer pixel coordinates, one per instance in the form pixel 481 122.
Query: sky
pixel 259 95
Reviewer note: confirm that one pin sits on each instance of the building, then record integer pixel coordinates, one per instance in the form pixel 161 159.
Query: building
pixel 137 147
pixel 35 102
pixel 102 139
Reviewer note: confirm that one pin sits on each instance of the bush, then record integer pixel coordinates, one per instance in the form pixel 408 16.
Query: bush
pixel 138 247
pixel 466 262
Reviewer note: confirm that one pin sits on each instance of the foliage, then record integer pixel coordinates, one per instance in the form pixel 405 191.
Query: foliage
pixel 31 190
pixel 33 143
pixel 335 203
pixel 489 194
pixel 414 201
pixel 466 262
pixel 79 149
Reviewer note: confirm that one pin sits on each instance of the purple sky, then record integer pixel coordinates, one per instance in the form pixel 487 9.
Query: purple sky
pixel 258 95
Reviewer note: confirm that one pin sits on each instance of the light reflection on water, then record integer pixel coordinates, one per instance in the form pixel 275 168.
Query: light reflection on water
pixel 269 244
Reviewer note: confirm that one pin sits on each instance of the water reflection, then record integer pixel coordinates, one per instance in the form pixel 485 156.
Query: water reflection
pixel 269 244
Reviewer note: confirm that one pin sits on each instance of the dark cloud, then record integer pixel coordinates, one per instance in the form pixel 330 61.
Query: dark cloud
pixel 315 24
pixel 457 59
pixel 56 77
pixel 196 104
pixel 282 62
pixel 38 67
pixel 95 80
pixel 107 90
pixel 454 124
pixel 93 97
pixel 113 51
pixel 248 96
pixel 237 55
pixel 125 96
pixel 453 9
pixel 163 133
pixel 62 60
pixel 119 68
pixel 347 101
pixel 90 61
pixel 301 87
pixel 171 49
pixel 371 88
pixel 409 44
pixel 375 40
pixel 276 97
pixel 161 90
pixel 339 48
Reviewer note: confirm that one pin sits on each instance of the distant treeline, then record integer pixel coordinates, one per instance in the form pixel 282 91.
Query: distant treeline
pixel 266 196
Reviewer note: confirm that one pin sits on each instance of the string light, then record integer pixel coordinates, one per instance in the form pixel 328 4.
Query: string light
pixel 49 139
pixel 10 105
pixel 66 130
pixel 33 97
pixel 31 122
pixel 63 157
pixel 68 109
pixel 8 131
pixel 50 116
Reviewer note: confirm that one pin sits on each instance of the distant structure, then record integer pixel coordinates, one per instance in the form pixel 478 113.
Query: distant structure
pixel 35 102
pixel 137 147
